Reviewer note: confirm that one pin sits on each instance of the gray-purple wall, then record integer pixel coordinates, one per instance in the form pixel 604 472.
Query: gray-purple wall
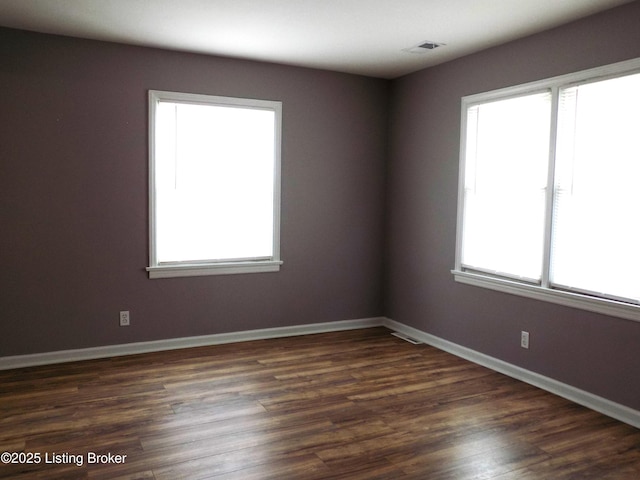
pixel 593 352
pixel 73 197
pixel 73 203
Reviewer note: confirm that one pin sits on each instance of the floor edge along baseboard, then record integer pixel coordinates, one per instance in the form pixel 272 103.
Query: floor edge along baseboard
pixel 587 399
pixel 92 353
pixel 607 407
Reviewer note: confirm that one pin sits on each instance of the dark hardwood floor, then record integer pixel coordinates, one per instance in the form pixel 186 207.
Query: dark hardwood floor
pixel 360 404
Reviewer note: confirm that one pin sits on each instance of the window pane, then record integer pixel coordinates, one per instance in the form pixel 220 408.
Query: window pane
pixel 214 182
pixel 506 169
pixel 596 234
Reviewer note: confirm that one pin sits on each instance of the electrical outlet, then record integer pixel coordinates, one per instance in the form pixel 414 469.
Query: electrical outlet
pixel 524 339
pixel 125 318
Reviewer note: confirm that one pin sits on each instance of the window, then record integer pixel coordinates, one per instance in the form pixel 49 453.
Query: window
pixel 214 190
pixel 550 188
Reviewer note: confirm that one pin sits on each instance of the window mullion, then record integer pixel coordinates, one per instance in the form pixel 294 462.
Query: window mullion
pixel 550 191
pixel 585 239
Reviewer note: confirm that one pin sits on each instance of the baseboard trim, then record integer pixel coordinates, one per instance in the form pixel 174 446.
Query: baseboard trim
pixel 594 402
pixel 589 400
pixel 63 356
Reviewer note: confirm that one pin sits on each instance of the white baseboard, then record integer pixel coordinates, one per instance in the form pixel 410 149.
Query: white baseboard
pixel 589 400
pixel 62 356
pixel 594 402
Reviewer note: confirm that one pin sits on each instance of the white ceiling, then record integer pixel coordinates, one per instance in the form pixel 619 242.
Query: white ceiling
pixel 355 36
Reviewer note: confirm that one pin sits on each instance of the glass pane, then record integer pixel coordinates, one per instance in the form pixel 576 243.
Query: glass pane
pixel 506 169
pixel 596 234
pixel 214 182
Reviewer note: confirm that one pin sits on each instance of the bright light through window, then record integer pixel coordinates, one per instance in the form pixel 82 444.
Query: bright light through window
pixel 215 177
pixel 507 152
pixel 550 189
pixel 596 236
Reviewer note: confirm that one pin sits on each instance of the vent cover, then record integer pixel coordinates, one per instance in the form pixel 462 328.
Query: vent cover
pixel 424 47
pixel 407 338
pixel 429 45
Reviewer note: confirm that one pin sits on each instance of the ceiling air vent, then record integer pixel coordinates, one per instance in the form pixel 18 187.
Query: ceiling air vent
pixel 424 47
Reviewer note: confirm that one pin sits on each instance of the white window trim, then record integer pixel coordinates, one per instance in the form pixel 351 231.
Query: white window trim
pixel 513 286
pixel 222 268
pixel 184 269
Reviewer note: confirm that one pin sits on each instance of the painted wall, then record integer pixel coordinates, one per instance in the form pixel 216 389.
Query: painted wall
pixel 73 197
pixel 593 352
pixel 73 203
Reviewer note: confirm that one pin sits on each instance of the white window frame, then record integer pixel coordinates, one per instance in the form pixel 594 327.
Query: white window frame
pixel 541 291
pixel 186 269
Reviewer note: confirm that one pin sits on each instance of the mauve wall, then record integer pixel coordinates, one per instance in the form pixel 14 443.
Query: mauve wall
pixel 73 197
pixel 593 352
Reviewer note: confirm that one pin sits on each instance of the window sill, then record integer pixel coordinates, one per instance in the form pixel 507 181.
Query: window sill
pixel 569 299
pixel 199 270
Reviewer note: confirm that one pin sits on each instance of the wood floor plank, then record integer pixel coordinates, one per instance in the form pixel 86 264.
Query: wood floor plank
pixel 356 405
